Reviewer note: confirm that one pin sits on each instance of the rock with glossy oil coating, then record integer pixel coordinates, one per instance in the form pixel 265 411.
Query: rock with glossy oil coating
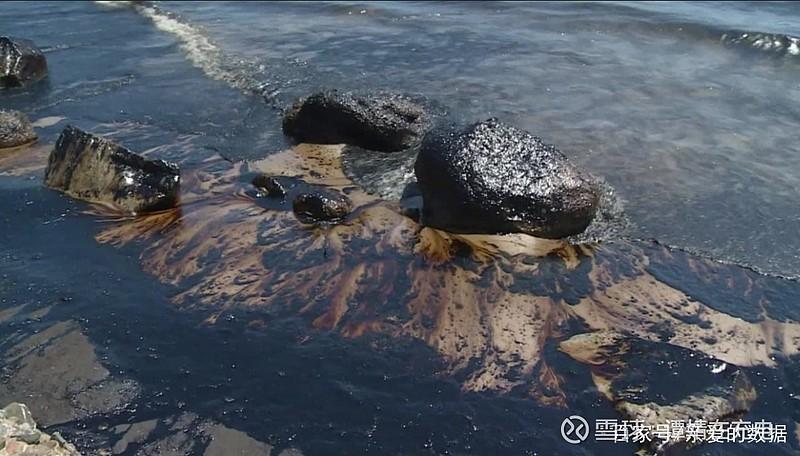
pixel 491 177
pixel 380 122
pixel 15 129
pixel 270 185
pixel 21 63
pixel 96 169
pixel 321 205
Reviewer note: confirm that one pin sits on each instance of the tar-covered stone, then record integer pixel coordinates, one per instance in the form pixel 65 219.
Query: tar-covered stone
pixel 15 129
pixel 96 169
pixel 270 185
pixel 21 63
pixel 321 205
pixel 380 122
pixel 491 177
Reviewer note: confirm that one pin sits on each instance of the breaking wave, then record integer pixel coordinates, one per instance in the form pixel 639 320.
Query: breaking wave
pixel 246 75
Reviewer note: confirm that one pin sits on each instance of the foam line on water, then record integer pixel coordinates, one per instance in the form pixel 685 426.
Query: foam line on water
pixel 200 50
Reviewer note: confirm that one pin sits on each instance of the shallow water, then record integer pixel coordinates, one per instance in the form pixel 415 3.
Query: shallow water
pixel 688 118
pixel 685 121
pixel 689 110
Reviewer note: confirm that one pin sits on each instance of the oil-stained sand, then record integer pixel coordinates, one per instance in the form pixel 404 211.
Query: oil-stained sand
pixel 488 304
pixel 78 345
pixel 23 160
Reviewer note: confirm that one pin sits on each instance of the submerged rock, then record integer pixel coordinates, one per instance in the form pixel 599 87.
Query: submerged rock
pixel 494 178
pixel 270 185
pixel 19 435
pixel 15 129
pixel 381 122
pixel 96 169
pixel 321 206
pixel 627 371
pixel 21 63
pixel 718 403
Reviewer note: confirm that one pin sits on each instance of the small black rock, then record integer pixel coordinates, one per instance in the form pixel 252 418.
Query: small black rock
pixel 270 185
pixel 321 206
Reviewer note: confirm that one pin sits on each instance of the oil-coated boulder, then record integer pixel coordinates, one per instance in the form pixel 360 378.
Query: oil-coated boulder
pixel 96 169
pixel 380 122
pixel 491 177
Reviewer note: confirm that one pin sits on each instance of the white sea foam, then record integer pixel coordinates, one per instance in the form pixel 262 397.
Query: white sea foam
pixel 794 48
pixel 248 75
pixel 200 50
pixel 114 4
pixel 198 47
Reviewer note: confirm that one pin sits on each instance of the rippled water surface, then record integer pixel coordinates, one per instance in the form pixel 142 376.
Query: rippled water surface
pixel 690 111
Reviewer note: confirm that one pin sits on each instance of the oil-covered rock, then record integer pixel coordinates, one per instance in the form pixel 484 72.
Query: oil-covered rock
pixel 21 63
pixel 321 205
pixel 98 170
pixel 491 177
pixel 380 122
pixel 270 185
pixel 15 129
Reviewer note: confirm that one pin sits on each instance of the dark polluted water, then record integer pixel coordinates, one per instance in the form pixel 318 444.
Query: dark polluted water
pixel 228 328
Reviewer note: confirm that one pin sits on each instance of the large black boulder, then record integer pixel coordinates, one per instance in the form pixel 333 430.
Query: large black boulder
pixel 15 129
pixel 380 122
pixel 491 177
pixel 98 170
pixel 21 63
